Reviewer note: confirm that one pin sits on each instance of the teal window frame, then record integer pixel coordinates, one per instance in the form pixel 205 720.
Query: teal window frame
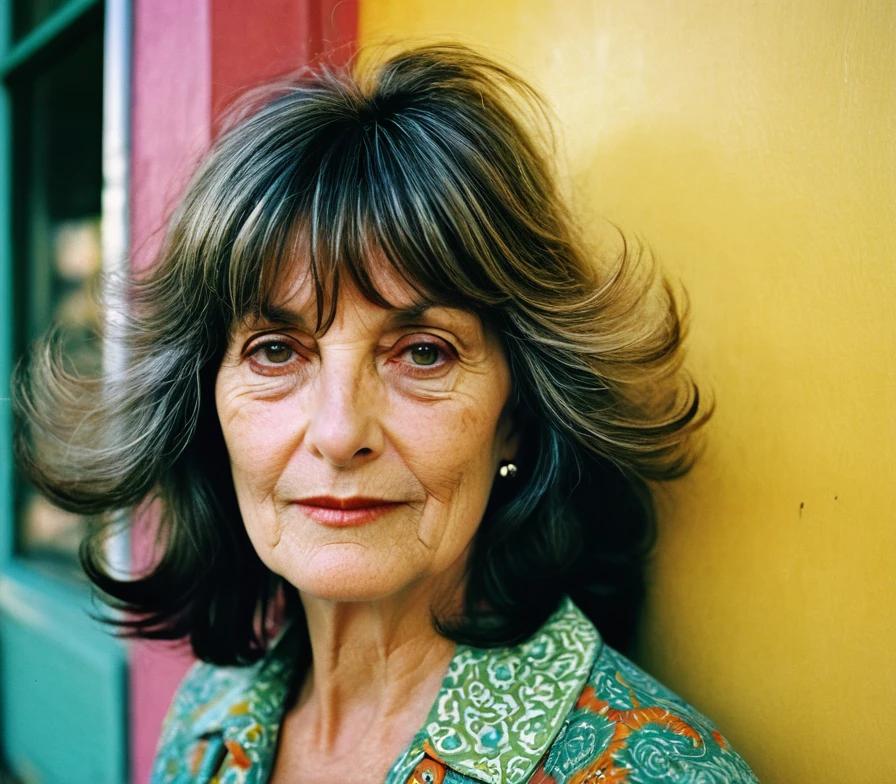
pixel 63 677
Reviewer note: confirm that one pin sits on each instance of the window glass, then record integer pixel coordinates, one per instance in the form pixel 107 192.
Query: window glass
pixel 28 14
pixel 57 151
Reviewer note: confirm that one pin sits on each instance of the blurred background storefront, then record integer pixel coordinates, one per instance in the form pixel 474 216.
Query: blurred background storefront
pixel 63 681
pixel 751 144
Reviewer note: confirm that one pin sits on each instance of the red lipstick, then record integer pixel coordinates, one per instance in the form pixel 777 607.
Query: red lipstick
pixel 345 512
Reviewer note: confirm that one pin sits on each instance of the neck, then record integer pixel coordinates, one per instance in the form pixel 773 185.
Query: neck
pixel 376 666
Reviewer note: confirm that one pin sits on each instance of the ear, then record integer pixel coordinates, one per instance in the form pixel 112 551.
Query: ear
pixel 508 435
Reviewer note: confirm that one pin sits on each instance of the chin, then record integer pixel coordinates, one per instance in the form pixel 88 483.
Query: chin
pixel 343 574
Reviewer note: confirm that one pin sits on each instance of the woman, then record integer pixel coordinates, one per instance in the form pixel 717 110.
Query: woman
pixel 401 428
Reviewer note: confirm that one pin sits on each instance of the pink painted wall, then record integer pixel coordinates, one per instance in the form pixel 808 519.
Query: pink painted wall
pixel 190 60
pixel 170 126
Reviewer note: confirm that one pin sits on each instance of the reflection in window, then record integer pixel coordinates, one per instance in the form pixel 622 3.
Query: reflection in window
pixel 28 14
pixel 57 146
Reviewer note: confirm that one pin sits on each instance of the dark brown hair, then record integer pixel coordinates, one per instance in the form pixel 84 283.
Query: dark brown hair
pixel 422 160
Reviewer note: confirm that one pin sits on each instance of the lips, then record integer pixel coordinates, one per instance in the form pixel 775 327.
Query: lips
pixel 344 512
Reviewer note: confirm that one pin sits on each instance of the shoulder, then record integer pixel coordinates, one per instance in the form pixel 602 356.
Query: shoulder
pixel 219 712
pixel 202 688
pixel 627 726
pixel 194 712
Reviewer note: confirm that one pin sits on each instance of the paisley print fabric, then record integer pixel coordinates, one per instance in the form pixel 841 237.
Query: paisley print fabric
pixel 223 722
pixel 560 708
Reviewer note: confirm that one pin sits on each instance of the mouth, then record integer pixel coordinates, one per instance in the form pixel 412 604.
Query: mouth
pixel 345 512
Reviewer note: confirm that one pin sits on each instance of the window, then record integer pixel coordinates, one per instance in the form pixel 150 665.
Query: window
pixel 57 126
pixel 63 678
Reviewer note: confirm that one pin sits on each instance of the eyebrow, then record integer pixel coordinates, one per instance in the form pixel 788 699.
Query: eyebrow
pixel 412 313
pixel 279 314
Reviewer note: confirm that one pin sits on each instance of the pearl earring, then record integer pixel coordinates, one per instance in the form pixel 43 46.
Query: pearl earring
pixel 507 470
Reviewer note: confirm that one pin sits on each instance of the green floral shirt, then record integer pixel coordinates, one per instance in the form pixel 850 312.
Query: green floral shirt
pixel 560 708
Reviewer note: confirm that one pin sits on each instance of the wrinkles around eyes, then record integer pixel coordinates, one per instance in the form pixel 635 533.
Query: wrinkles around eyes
pixel 275 387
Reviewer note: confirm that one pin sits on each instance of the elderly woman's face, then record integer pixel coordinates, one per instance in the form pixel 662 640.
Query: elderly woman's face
pixel 363 458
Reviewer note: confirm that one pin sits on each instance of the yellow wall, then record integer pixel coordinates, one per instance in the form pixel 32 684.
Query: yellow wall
pixel 753 145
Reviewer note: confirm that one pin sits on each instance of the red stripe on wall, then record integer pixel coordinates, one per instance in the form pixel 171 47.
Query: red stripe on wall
pixel 251 48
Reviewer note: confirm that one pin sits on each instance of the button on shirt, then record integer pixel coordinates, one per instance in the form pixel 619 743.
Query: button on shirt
pixel 560 708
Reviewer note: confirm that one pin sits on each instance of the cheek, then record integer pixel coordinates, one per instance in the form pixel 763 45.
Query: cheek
pixel 256 441
pixel 450 449
pixel 260 437
pixel 446 443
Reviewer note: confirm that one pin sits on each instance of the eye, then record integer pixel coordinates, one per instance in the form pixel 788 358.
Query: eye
pixel 274 353
pixel 424 354
pixel 272 357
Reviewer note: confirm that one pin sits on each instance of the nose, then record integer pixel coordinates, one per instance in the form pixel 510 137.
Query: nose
pixel 343 426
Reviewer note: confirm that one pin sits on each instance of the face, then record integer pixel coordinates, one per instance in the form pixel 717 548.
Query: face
pixel 363 458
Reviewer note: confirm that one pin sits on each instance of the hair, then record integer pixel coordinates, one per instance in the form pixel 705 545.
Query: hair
pixel 421 160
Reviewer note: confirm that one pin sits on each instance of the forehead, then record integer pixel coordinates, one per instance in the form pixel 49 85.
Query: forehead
pixel 312 267
pixel 380 295
pixel 303 287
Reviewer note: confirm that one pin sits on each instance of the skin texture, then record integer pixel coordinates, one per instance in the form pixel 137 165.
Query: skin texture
pixel 406 407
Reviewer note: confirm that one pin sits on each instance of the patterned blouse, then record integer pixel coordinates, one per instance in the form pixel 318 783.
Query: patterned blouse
pixel 560 708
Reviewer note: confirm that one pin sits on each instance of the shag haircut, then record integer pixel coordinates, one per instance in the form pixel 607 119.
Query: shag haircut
pixel 421 160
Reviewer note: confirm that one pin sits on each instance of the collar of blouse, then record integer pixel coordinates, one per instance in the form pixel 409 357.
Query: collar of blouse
pixel 494 717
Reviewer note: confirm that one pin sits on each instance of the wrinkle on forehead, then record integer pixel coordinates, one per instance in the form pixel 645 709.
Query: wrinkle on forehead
pixel 311 269
pixel 299 295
